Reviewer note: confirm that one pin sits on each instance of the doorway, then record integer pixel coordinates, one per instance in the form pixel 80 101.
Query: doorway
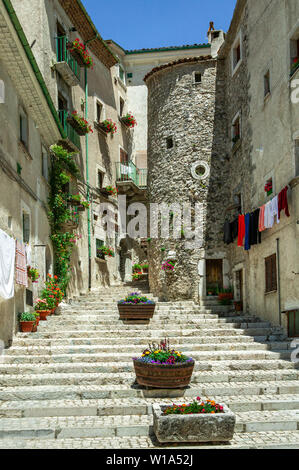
pixel 214 275
pixel 239 285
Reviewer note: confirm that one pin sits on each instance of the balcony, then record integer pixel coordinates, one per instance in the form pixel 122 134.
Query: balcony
pixel 66 64
pixel 71 142
pixel 130 179
pixel 294 65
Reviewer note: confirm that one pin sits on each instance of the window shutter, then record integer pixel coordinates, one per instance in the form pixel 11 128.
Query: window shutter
pixel 26 228
pixel 271 273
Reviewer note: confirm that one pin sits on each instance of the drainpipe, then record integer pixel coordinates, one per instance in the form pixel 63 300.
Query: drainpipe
pixel 278 279
pixel 87 182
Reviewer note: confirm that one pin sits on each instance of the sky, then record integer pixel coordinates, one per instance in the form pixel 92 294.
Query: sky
pixel 138 24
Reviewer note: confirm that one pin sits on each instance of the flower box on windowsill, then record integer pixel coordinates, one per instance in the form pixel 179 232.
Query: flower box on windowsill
pixel 75 125
pixel 100 128
pixel 197 427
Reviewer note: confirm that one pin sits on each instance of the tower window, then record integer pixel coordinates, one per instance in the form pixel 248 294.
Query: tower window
pixel 169 143
pixel 267 83
pixel 197 77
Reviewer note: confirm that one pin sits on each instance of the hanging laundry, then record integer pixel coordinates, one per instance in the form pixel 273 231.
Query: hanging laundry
pixel 255 235
pixel 21 267
pixel 247 232
pixel 234 228
pixel 7 265
pixel 241 230
pixel 268 219
pixel 28 255
pixel 283 202
pixel 262 219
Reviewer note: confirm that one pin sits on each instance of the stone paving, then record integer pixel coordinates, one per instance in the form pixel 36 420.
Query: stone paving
pixel 72 385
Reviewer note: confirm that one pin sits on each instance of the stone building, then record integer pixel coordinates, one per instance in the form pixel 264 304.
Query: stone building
pixel 29 126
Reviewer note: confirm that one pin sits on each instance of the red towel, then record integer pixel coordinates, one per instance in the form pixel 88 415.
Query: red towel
pixel 21 265
pixel 283 202
pixel 241 230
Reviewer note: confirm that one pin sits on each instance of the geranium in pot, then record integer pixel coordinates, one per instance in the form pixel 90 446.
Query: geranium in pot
pixel 144 267
pixel 161 366
pixel 225 296
pixel 108 126
pixel 129 120
pixel 41 307
pixel 79 123
pixel 136 306
pixel 80 52
pixel 33 274
pixel 27 321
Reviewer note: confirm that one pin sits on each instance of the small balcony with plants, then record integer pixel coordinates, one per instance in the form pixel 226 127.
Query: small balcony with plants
pixel 294 65
pixel 66 64
pixel 106 127
pixel 71 140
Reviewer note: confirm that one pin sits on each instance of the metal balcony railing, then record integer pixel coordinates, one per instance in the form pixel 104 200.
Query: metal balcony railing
pixel 129 172
pixel 68 129
pixel 63 55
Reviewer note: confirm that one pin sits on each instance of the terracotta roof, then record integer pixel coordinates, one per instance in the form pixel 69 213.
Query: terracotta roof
pixel 168 48
pixel 178 62
pixel 88 32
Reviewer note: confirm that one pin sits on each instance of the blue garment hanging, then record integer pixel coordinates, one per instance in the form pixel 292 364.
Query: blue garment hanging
pixel 247 232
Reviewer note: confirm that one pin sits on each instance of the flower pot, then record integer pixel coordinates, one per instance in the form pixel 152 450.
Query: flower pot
pixel 43 314
pixel 226 296
pixel 34 328
pixel 26 326
pixel 238 306
pixel 197 427
pixel 145 270
pixel 163 376
pixel 138 311
pixel 78 57
pixel 53 311
pixel 75 125
pixel 37 321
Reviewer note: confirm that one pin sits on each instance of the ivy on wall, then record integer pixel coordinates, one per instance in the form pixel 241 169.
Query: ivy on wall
pixel 63 169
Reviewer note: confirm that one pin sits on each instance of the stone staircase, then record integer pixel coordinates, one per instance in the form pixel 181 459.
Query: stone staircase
pixel 72 385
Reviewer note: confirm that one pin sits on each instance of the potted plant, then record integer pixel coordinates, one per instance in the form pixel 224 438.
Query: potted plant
pixel 136 306
pixel 105 251
pixel 84 205
pixel 238 306
pixel 42 308
pixel 144 267
pixel 33 274
pixel 27 321
pixel 199 421
pixel 137 275
pixel 168 266
pixel 137 268
pixel 225 296
pixel 80 53
pixel 108 126
pixel 112 191
pixel 163 367
pixel 52 292
pixel 295 64
pixel 129 120
pixel 79 123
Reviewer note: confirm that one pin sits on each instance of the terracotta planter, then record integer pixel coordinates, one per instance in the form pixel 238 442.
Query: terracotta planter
pixel 145 270
pixel 37 321
pixel 238 306
pixel 162 376
pixel 226 296
pixel 26 326
pixel 134 312
pixel 77 56
pixel 43 314
pixel 34 328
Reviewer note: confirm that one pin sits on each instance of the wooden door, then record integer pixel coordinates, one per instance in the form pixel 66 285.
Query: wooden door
pixel 214 273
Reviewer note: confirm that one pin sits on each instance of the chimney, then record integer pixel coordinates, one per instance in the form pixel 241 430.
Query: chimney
pixel 216 39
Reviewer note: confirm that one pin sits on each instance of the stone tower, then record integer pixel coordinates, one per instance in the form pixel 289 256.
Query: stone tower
pixel 187 164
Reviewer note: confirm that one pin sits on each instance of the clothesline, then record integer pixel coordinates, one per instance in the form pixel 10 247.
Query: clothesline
pixel 248 227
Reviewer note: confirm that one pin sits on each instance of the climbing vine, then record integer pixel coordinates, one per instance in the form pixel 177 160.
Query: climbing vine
pixel 63 168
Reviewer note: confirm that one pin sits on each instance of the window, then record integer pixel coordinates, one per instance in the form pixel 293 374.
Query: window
pixel 197 77
pixel 294 46
pixel 169 143
pixel 269 186
pixel 121 73
pixel 129 75
pixel 236 54
pixel 267 83
pixel 99 111
pixel 121 106
pixel 124 158
pixel 99 244
pixel 26 227
pixel 23 128
pixel 45 164
pixel 100 179
pixel 236 129
pixel 2 92
pixel 271 273
pixel 29 297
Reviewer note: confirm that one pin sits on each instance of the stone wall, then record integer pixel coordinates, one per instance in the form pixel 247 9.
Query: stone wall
pixel 186 111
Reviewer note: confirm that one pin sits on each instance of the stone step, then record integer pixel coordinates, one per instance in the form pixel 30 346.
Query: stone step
pixel 130 425
pixel 19 353
pixel 86 392
pixel 117 377
pixel 94 364
pixel 133 406
pixel 241 441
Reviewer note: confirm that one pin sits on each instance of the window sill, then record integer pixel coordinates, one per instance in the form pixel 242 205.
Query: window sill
pixel 25 151
pixel 100 261
pixel 271 292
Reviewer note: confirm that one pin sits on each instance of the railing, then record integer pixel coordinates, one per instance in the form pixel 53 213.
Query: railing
pixel 63 55
pixel 68 129
pixel 129 172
